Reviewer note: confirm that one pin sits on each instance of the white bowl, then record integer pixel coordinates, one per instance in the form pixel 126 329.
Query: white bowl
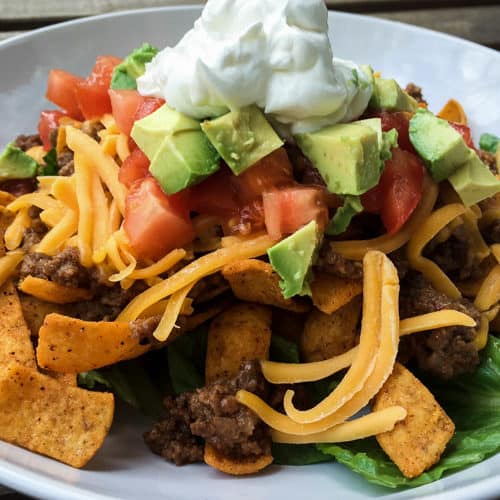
pixel 444 66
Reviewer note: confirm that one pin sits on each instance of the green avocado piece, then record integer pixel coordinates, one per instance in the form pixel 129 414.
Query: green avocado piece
pixel 132 67
pixel 473 181
pixel 389 96
pixel 441 147
pixel 16 164
pixel 183 159
pixel 150 132
pixel 344 214
pixel 293 257
pixel 346 155
pixel 242 137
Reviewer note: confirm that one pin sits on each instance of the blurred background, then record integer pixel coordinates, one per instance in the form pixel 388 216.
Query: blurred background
pixel 475 20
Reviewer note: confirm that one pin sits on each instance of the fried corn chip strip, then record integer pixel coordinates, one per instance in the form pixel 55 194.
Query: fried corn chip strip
pixel 330 293
pixel 241 333
pixel 51 418
pixel 70 345
pixel 453 112
pixel 50 291
pixel 416 443
pixel 328 335
pixel 253 280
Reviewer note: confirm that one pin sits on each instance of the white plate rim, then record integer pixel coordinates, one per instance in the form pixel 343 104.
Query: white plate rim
pixel 37 485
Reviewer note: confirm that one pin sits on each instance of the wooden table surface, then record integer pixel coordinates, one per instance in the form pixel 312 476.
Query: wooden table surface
pixel 475 20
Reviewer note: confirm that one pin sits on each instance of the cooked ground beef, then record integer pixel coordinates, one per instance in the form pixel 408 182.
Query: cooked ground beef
pixel 37 230
pixel 107 302
pixel 303 170
pixel 26 142
pixel 444 352
pixel 492 233
pixel 172 437
pixel 65 162
pixel 63 268
pixel 214 414
pixel 18 187
pixel 416 92
pixel 92 129
pixel 333 263
pixel 454 257
pixel 490 160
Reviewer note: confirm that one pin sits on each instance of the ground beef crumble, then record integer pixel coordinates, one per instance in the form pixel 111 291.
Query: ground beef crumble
pixel 416 92
pixel 444 352
pixel 212 414
pixel 489 159
pixel 26 142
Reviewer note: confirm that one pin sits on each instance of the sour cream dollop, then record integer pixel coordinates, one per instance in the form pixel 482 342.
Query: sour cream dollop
pixel 272 53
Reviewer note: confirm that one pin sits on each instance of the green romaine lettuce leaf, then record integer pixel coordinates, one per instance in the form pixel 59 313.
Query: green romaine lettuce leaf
pixel 473 403
pixel 298 454
pixel 186 361
pixel 131 382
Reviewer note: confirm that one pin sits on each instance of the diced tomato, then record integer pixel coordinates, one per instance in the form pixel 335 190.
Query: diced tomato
pixel 134 168
pixel 124 105
pixel 290 208
pixel 49 121
pixel 148 106
pixel 92 93
pixel 154 222
pixel 216 195
pixel 401 122
pixel 61 86
pixel 465 132
pixel 399 191
pixel 272 171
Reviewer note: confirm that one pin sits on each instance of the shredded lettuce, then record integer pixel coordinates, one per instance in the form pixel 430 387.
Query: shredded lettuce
pixel 51 167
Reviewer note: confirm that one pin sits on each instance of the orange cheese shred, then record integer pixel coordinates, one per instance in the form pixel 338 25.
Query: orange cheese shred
pixel 356 249
pixel 437 221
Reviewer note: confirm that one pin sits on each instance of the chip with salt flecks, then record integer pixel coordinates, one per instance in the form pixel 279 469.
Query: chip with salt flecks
pixel 253 280
pixel 41 414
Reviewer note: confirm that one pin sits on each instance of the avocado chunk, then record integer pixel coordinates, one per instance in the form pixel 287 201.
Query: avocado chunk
pixel 150 132
pixel 16 164
pixel 293 257
pixel 489 142
pixel 242 137
pixel 133 66
pixel 389 96
pixel 183 159
pixel 473 181
pixel 346 155
pixel 441 147
pixel 344 214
